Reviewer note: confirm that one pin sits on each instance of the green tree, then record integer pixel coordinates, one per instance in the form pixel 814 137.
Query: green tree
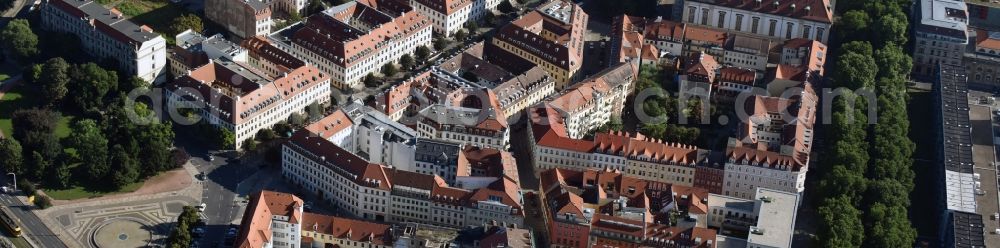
pixel 406 61
pixel 490 18
pixel 441 43
pixel 854 24
pixel 249 146
pixel 157 140
pixel 371 81
pixel 266 135
pixel 54 79
pixel 11 158
pixel 296 119
pixel 18 38
pixel 225 138
pixel 92 148
pixel 888 226
pixel 185 22
pixel 422 53
pixel 840 223
pixel 506 7
pixel 32 74
pixel 89 84
pixel 855 71
pixel 893 62
pixel 125 170
pixel 43 201
pixel 59 174
pixel 461 35
pixel 26 121
pixel 132 83
pixel 472 26
pixel 891 27
pixel 389 70
pixel 180 237
pixel 40 164
pixel 315 111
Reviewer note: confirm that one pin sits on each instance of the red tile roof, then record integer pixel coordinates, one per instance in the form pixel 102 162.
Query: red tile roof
pixel 255 229
pixel 705 35
pixel 348 229
pixel 330 36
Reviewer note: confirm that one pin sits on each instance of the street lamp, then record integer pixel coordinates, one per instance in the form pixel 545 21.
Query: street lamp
pixel 15 179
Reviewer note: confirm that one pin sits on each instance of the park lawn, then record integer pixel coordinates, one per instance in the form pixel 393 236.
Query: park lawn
pixel 16 99
pixel 80 192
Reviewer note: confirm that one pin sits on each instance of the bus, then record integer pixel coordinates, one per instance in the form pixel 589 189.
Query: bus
pixel 10 222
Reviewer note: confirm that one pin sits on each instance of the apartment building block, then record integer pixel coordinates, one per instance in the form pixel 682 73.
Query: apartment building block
pixel 194 50
pixel 274 219
pixel 242 18
pixel 605 208
pixel 550 37
pixel 449 16
pixel 377 192
pixel 245 100
pixel 765 220
pixel 941 31
pixel 777 20
pixel 590 104
pixel 105 33
pixel 351 40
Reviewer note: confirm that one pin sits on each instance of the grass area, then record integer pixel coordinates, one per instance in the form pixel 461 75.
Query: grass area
pixel 3 76
pixel 157 14
pixel 80 192
pixel 18 98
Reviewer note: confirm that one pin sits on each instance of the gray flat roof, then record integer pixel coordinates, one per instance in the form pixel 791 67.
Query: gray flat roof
pixel 122 25
pixel 967 230
pixel 956 134
pixel 776 218
pixel 945 17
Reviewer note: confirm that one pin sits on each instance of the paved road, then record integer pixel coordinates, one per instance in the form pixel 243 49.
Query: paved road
pixel 31 226
pixel 219 187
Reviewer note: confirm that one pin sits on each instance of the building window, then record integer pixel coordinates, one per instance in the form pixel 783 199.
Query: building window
pixel 773 26
pixel 788 30
pixel 722 19
pixel 691 14
pixel 754 24
pixel 819 34
pixel 704 17
pixel 806 31
pixel 739 22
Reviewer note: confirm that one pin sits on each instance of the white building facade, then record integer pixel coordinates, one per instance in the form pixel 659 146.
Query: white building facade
pixel 778 20
pixel 106 33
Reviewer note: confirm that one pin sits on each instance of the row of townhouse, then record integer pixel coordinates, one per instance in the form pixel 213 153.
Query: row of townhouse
pixel 378 192
pixel 449 16
pixel 106 33
pixel 608 208
pixel 354 39
pixel 275 219
pixel 245 100
pixel 740 171
pixel 243 18
pixel 590 104
pixel 669 42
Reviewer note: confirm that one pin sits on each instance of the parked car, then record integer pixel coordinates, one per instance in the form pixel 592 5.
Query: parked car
pixel 201 208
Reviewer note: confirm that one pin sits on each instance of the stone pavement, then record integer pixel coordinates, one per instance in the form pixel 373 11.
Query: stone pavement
pixel 157 212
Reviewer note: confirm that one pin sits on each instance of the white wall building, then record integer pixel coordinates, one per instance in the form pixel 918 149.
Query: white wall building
pixel 448 16
pixel 106 33
pixel 245 100
pixel 779 20
pixel 941 32
pixel 748 169
pixel 348 47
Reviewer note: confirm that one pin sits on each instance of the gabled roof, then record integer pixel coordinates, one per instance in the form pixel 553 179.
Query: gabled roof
pixel 348 229
pixel 255 228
